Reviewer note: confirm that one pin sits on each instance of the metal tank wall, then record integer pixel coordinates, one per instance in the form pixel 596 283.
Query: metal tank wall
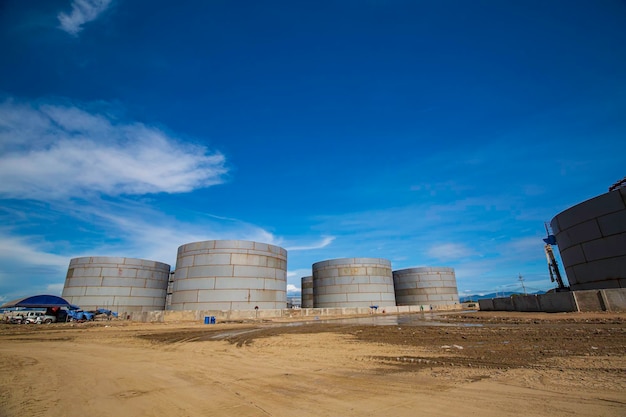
pixel 307 292
pixel 427 286
pixel 119 284
pixel 229 275
pixel 591 237
pixel 353 282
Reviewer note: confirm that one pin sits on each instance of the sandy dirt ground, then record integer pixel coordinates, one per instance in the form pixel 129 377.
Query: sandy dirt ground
pixel 482 364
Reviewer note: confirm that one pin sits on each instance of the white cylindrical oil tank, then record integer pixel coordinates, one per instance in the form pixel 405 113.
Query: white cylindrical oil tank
pixel 353 282
pixel 307 292
pixel 117 284
pixel 230 275
pixel 426 286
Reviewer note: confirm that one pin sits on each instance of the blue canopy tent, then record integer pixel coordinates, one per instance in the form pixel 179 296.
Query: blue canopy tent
pixel 40 301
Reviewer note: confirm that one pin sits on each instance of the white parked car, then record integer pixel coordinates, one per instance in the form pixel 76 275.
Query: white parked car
pixel 38 317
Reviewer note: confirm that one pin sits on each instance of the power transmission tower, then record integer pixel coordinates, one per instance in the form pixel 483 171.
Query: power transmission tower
pixel 521 279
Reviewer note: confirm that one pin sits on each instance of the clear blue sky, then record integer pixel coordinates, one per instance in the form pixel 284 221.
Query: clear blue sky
pixel 430 133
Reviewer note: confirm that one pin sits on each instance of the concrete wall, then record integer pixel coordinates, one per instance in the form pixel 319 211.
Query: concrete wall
pixel 229 275
pixel 557 302
pixel 425 286
pixel 549 303
pixel 307 292
pixel 615 299
pixel 503 304
pixel 560 302
pixel 526 303
pixel 279 314
pixel 591 238
pixel 589 301
pixel 119 284
pixel 353 282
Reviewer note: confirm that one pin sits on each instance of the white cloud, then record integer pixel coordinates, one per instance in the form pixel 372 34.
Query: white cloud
pixel 83 11
pixel 52 152
pixel 523 247
pixel 327 240
pixel 160 242
pixel 26 264
pixel 448 251
pixel 55 289
pixel 141 231
pixel 292 288
pixel 297 274
pixel 27 251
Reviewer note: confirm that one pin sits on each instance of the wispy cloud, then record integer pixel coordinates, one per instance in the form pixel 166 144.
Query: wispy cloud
pixel 24 250
pixel 523 247
pixel 54 289
pixel 141 231
pixel 503 262
pixel 52 151
pixel 326 240
pixel 83 11
pixel 449 251
pixel 476 235
pixel 28 264
pixel 296 274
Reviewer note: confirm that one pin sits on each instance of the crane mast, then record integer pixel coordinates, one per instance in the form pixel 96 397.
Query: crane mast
pixel 553 265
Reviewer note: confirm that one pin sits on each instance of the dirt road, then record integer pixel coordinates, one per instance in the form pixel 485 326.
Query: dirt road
pixel 488 364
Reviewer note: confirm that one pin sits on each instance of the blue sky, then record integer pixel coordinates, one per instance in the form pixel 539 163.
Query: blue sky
pixel 429 133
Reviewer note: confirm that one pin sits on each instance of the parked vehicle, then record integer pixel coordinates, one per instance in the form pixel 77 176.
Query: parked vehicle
pixel 38 317
pixel 47 316
pixel 14 317
pixel 45 319
pixel 32 316
pixel 80 315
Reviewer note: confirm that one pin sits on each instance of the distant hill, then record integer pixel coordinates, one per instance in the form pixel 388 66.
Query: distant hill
pixel 474 297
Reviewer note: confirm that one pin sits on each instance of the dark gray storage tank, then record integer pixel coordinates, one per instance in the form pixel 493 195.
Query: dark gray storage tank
pixel 591 238
pixel 307 292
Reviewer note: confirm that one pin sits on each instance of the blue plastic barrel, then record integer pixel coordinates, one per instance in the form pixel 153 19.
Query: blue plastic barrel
pixel 207 320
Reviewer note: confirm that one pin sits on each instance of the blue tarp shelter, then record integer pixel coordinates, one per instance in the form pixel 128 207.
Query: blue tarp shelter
pixel 40 301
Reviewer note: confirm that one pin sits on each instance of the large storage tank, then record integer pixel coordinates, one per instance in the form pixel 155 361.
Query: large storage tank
pixel 353 282
pixel 118 284
pixel 307 292
pixel 230 275
pixel 426 286
pixel 591 238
